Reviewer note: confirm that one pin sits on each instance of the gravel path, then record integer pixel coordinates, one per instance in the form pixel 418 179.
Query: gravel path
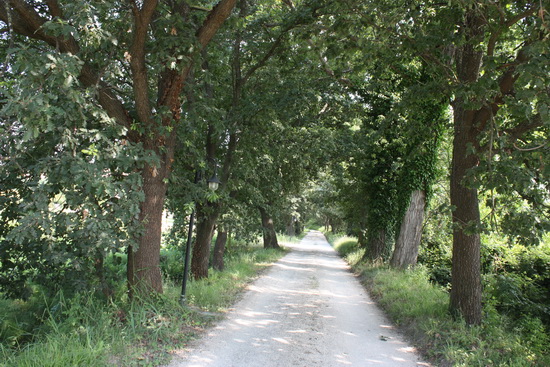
pixel 307 310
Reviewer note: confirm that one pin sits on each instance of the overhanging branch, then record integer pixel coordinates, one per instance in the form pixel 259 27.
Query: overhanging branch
pixel 26 21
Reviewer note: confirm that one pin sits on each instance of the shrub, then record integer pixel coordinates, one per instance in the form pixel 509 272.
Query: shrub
pixel 436 257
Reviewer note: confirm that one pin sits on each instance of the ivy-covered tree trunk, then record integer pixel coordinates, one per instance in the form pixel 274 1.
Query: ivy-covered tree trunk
pixel 269 234
pixel 219 250
pixel 408 241
pixel 376 247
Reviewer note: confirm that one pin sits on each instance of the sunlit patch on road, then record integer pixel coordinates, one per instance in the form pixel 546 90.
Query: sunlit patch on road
pixel 307 310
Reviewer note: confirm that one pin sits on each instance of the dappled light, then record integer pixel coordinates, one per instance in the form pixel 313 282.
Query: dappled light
pixel 307 310
pixel 156 157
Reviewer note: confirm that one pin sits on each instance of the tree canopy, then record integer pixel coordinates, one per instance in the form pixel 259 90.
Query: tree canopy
pixel 113 112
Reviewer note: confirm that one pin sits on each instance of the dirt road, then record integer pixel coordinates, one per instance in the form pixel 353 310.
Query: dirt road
pixel 307 310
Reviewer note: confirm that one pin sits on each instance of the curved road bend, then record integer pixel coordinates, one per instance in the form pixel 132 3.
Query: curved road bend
pixel 307 310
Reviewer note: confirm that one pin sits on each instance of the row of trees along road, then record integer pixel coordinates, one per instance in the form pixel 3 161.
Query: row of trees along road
pixel 110 107
pixel 130 99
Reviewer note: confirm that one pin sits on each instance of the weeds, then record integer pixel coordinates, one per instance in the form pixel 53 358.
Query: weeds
pixel 88 331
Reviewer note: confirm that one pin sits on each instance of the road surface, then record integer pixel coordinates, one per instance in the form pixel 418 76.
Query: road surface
pixel 307 310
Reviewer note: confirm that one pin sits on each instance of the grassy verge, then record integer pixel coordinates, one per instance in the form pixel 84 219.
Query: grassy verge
pixel 420 309
pixel 221 289
pixel 85 331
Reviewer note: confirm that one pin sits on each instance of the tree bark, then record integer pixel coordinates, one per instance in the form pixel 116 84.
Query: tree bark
pixel 203 242
pixel 209 213
pixel 144 262
pixel 408 242
pixel 466 265
pixel 219 250
pixel 376 245
pixel 468 125
pixel 269 234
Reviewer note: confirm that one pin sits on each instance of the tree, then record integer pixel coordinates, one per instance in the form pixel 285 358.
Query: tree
pixel 134 58
pixel 419 171
pixel 69 196
pixel 255 40
pixel 494 60
pixel 490 70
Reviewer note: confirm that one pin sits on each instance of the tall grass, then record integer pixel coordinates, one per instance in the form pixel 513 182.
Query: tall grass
pixel 220 289
pixel 420 308
pixel 75 332
pixel 88 331
pixel 284 238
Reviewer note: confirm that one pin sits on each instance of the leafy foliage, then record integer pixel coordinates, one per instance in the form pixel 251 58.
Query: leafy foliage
pixel 70 192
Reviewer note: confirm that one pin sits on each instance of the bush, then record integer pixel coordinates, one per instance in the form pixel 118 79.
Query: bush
pixel 421 308
pixel 346 245
pixel 171 263
pixel 21 320
pixel 436 257
pixel 519 286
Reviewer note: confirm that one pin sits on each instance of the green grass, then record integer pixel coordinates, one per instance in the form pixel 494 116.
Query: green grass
pixel 283 238
pixel 420 309
pixel 220 289
pixel 87 331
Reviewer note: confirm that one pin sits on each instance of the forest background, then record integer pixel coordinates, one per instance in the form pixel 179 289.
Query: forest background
pixel 419 127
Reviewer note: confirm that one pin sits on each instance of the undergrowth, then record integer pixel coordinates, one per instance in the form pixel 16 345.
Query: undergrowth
pixel 420 309
pixel 85 330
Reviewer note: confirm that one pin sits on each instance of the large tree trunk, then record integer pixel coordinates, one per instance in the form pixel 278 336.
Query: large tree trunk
pixel 201 249
pixel 408 242
pixel 376 245
pixel 269 234
pixel 219 250
pixel 466 266
pixel 144 262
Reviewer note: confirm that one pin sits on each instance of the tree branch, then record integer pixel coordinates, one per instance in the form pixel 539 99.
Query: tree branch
pixel 516 132
pixel 530 149
pixel 55 9
pixel 214 20
pixel 142 20
pixel 505 25
pixel 27 22
pixel 327 69
pixel 172 88
pixel 266 57
pixel 506 87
